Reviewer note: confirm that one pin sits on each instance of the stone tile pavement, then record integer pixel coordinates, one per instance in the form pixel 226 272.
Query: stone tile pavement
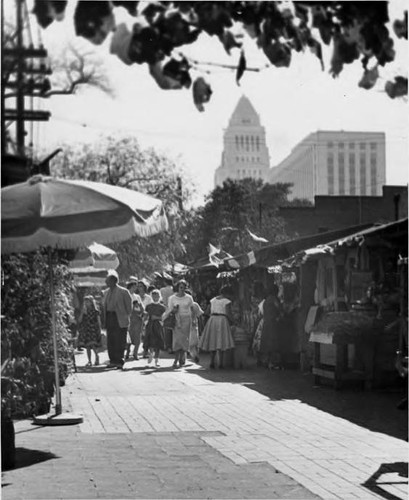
pixel 195 433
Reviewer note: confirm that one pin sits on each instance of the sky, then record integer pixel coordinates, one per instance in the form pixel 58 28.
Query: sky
pixel 292 102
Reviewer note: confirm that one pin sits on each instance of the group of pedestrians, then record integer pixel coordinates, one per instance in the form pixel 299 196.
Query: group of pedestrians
pixel 167 318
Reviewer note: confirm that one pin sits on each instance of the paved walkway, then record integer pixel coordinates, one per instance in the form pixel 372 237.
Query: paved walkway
pixel 194 433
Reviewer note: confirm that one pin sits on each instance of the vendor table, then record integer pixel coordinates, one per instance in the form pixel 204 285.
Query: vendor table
pixel 345 329
pixel 341 372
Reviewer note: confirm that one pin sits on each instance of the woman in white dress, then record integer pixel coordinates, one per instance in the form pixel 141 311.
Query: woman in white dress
pixel 217 337
pixel 180 304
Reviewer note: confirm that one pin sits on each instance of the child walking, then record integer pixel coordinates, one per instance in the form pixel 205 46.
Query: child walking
pixel 154 337
pixel 90 328
pixel 217 337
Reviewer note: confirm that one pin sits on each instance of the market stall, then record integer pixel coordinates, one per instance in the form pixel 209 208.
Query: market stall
pixel 357 296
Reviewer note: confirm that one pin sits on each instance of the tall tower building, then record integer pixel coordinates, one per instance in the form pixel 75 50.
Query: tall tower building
pixel 245 153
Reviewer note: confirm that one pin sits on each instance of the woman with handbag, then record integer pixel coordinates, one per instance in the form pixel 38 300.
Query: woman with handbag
pixel 180 305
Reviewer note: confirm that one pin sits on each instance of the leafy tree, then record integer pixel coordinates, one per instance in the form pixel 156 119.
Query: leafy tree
pixel 353 30
pixel 233 211
pixel 124 163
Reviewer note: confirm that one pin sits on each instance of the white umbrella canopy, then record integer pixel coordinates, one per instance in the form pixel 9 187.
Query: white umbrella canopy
pixel 45 212
pixel 61 213
pixel 92 258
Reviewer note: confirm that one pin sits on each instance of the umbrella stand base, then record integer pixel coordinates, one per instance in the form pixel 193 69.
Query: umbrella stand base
pixel 61 419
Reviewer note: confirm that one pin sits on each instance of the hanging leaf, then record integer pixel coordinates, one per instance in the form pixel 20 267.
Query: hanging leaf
pixel 369 78
pixel 398 88
pixel 48 11
pixel 179 71
pixel 120 42
pixel 201 93
pixel 278 53
pixel 145 44
pixel 164 82
pixel 316 49
pixel 94 20
pixel 401 27
pixel 229 41
pixel 241 68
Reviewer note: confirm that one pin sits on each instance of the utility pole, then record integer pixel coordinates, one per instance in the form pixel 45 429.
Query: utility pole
pixel 19 80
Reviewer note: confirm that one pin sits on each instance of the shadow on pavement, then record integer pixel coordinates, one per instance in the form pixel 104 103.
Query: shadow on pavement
pixel 26 457
pixel 379 482
pixel 374 410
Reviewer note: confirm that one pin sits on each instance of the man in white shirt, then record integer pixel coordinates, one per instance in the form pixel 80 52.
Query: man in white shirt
pixel 117 308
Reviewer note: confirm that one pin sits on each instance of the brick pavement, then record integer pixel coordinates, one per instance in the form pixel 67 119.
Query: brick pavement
pixel 191 433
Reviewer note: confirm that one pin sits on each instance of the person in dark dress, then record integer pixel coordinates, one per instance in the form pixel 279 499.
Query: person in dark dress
pixel 154 336
pixel 269 342
pixel 90 328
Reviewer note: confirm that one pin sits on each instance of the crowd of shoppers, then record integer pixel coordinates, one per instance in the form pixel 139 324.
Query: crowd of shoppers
pixel 165 317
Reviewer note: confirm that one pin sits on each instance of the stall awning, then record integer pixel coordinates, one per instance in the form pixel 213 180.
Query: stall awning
pixel 269 256
pixel 381 235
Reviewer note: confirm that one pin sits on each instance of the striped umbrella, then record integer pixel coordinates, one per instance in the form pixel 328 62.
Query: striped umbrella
pixel 45 212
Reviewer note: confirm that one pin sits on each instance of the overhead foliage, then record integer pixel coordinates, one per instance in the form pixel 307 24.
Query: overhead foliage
pixel 122 162
pixel 353 30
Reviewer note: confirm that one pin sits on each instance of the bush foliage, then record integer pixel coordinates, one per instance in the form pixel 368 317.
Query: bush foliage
pixel 26 338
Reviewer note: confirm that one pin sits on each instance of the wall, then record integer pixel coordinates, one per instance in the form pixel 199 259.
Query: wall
pixel 336 212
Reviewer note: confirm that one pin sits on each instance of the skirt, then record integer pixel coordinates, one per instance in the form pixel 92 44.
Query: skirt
pixel 153 335
pixel 135 329
pixel 216 335
pixel 181 333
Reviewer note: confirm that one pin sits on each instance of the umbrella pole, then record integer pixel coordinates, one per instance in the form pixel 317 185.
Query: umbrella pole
pixel 58 408
pixel 58 418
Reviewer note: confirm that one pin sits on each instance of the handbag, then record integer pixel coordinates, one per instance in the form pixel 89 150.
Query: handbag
pixel 170 321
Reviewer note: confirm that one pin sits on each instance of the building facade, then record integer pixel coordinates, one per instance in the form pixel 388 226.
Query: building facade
pixel 245 153
pixel 330 213
pixel 334 163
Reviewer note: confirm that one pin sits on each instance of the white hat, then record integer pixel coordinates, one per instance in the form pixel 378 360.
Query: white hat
pixel 112 272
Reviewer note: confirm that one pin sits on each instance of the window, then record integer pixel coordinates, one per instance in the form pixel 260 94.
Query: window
pixel 341 173
pixel 362 145
pixel 247 142
pixel 257 143
pixel 330 173
pixel 341 145
pixel 330 144
pixel 373 146
pixel 362 173
pixel 352 180
pixel 352 145
pixel 373 175
pixel 252 143
pixel 236 138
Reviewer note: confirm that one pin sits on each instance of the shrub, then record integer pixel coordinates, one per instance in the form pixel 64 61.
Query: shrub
pixel 26 339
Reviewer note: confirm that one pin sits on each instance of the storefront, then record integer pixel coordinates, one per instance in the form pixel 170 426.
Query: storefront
pixel 358 293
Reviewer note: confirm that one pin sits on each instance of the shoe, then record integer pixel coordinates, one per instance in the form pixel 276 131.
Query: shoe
pixel 150 358
pixel 182 363
pixel 196 359
pixel 175 364
pixel 135 357
pixel 88 364
pixel 127 357
pixel 157 363
pixel 96 361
